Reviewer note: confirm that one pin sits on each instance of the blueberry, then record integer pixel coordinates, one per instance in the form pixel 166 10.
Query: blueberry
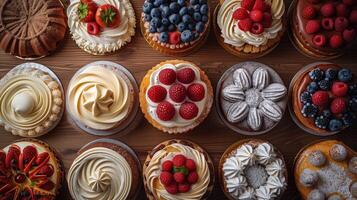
pixel 197 16
pixel 204 18
pixel 165 21
pixel 174 18
pixel 204 9
pixel 325 84
pixel 147 7
pixel 147 17
pixel 181 2
pixel 186 19
pixel 345 75
pixel 203 2
pixel 200 27
pixel 155 22
pixel 191 10
pixel 186 36
pixel 352 89
pixel 183 11
pixel 162 28
pixel 171 28
pixel 321 122
pixel 165 11
pixel 335 125
pixel 196 8
pixel 312 87
pixel 349 119
pixel 316 74
pixel 191 26
pixel 305 97
pixel 309 110
pixel 327 113
pixel 194 2
pixel 353 104
pixel 181 26
pixel 174 7
pixel 157 3
pixel 152 29
pixel 331 74
pixel 155 12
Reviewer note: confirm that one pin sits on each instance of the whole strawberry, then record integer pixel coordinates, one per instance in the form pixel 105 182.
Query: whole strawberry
pixel 86 11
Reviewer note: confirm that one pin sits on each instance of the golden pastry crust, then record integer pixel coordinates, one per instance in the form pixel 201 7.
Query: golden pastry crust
pixel 174 130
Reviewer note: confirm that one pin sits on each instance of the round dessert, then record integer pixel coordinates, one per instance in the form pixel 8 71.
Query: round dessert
pixel 30 169
pixel 31 29
pixel 251 98
pixel 326 170
pixel 253 169
pixel 102 98
pixel 178 170
pixel 175 96
pixel 104 169
pixel 31 100
pixel 249 28
pixel 323 29
pixel 175 27
pixel 323 98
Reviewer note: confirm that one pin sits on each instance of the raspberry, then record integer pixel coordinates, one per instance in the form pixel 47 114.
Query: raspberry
pixel 186 75
pixel 327 23
pixel 179 177
pixel 240 13
pixel 179 160
pixel 157 93
pixel 174 37
pixel 312 26
pixel 339 89
pixel 167 76
pixel 172 188
pixel 349 2
pixel 245 24
pixel 247 4
pixel 192 177
pixel 184 187
pixel 166 178
pixel 338 105
pixel 188 110
pixel 353 17
pixel 349 34
pixel 327 10
pixel 256 15
pixel 341 23
pixel 336 41
pixel 196 92
pixel 320 98
pixel 259 5
pixel 267 20
pixel 165 111
pixel 257 28
pixel 309 12
pixel 167 166
pixel 177 92
pixel 342 10
pixel 93 28
pixel 319 40
pixel 190 165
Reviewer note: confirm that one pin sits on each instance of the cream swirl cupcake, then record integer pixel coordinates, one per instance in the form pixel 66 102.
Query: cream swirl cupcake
pixel 101 98
pixel 31 100
pixel 109 39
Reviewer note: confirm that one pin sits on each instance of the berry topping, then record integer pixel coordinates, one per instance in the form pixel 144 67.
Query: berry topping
pixel 339 89
pixel 327 113
pixel 325 84
pixel 41 158
pixel 190 165
pixel 188 110
pixel 107 16
pixel 341 23
pixel 327 10
pixel 29 152
pixel 192 177
pixel 353 17
pixel 336 41
pixel 309 110
pixel 256 15
pixel 179 160
pixel 352 89
pixel 172 188
pixel 319 40
pixel 240 13
pixel 309 12
pixel 345 75
pixel 267 20
pixel 184 187
pixel 338 105
pixel 312 26
pixel 312 87
pixel 166 178
pixel 174 37
pixel 259 5
pixel 179 177
pixel 196 92
pixel 257 28
pixel 327 24
pixel 335 125
pixel 177 92
pixel 46 170
pixel 247 4
pixel 167 76
pixel 93 28
pixel 349 34
pixel 320 98
pixel 186 75
pixel 165 111
pixel 245 24
pixel 167 166
pixel 187 36
pixel 86 11
pixel 316 74
pixel 342 10
pixel 305 97
pixel 157 93
pixel 330 74
pixel 322 122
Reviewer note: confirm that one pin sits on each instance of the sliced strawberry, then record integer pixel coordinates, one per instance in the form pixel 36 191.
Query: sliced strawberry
pixel 44 162
pixel 29 165
pixel 2 156
pixel 5 188
pixel 41 157
pixel 12 156
pixel 46 170
pixel 46 185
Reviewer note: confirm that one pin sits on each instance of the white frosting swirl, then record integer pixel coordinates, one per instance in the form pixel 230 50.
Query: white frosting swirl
pixel 245 154
pixel 99 174
pixel 236 185
pixel 110 39
pixel 232 167
pixel 264 153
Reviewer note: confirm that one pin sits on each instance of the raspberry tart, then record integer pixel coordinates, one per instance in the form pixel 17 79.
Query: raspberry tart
pixel 253 169
pixel 175 27
pixel 101 26
pixel 323 98
pixel 176 96
pixel 105 169
pixel 326 170
pixel 30 169
pixel 323 29
pixel 251 98
pixel 178 169
pixel 249 28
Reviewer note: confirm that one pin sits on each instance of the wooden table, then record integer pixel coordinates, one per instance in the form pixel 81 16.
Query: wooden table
pixel 138 57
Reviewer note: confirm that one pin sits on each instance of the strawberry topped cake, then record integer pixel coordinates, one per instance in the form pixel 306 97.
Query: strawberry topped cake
pixel 249 28
pixel 29 169
pixel 176 96
pixel 322 28
pixel 101 26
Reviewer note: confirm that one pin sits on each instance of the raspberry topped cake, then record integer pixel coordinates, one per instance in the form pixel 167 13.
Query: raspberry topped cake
pixel 323 98
pixel 29 169
pixel 178 170
pixel 175 27
pixel 326 170
pixel 176 96
pixel 101 26
pixel 323 29
pixel 249 28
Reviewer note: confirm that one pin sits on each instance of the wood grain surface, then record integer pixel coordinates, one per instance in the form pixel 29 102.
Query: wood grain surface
pixel 212 135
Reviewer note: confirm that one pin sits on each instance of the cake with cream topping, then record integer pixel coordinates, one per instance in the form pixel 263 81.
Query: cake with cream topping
pixel 176 96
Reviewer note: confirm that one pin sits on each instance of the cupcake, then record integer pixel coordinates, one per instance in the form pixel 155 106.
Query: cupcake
pixel 253 169
pixel 251 98
pixel 104 169
pixel 31 100
pixel 178 169
pixel 322 98
pixel 102 98
pixel 175 96
pixel 326 170
pixel 249 28
pixel 323 29
pixel 30 169
pixel 31 29
pixel 101 26
pixel 175 27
